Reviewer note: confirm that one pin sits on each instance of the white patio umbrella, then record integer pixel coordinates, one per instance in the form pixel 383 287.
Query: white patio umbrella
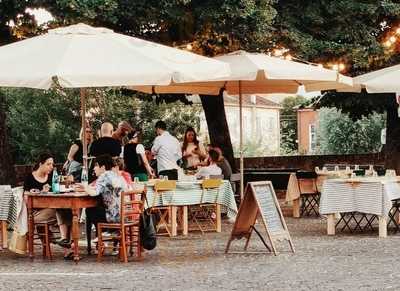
pixel 256 73
pixel 381 81
pixel 81 56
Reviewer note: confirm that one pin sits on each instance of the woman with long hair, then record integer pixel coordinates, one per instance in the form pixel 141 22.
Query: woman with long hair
pixel 135 159
pixel 193 150
pixel 73 165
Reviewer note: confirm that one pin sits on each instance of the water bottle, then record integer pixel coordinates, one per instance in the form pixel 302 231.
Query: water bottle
pixel 55 182
pixel 84 177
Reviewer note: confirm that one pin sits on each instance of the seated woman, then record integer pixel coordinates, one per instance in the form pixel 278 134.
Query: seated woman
pixel 40 180
pixel 135 159
pixel 212 169
pixel 192 149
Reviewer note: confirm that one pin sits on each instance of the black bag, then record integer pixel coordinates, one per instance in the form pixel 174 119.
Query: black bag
pixel 148 235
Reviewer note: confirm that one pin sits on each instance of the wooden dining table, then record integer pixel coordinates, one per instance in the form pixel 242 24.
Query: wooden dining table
pixel 72 200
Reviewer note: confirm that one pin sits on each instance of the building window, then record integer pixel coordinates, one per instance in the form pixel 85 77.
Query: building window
pixel 312 138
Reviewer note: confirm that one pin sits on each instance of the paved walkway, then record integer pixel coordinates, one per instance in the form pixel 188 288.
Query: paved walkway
pixel 344 262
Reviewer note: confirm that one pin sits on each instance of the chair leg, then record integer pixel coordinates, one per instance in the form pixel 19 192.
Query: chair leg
pixel 138 245
pixel 89 235
pixel 123 245
pixel 100 245
pixel 47 241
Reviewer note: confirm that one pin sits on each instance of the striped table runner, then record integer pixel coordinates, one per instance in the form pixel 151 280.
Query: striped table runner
pixel 372 196
pixel 8 207
pixel 189 193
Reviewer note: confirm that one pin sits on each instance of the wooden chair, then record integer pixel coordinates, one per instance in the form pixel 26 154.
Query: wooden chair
pixel 161 189
pixel 3 237
pixel 127 231
pixel 309 193
pixel 202 214
pixel 42 232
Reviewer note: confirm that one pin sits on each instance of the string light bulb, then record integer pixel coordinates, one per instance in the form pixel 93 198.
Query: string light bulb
pixel 388 43
pixel 288 57
pixel 341 67
pixel 392 39
pixel 189 47
pixel 398 31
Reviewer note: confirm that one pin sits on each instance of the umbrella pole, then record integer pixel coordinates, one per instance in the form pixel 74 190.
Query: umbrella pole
pixel 83 121
pixel 241 142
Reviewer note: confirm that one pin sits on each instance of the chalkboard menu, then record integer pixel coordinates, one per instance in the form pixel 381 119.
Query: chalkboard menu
pixel 268 208
pixel 260 203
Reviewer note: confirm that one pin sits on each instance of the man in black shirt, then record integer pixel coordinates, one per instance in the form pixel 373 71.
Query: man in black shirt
pixel 106 145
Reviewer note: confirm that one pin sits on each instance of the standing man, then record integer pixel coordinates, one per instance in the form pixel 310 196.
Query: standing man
pixel 106 145
pixel 167 150
pixel 122 131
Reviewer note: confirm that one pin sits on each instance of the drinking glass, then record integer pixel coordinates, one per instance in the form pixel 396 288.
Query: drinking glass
pixel 336 168
pixel 161 177
pixel 165 177
pixel 324 169
pixel 136 180
pixel 353 175
pixel 348 169
pixel 374 173
pixel 356 167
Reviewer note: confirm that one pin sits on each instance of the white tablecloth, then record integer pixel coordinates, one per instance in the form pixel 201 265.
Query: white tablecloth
pixel 372 195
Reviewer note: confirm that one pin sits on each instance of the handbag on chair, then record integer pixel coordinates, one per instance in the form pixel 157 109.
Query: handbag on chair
pixel 148 235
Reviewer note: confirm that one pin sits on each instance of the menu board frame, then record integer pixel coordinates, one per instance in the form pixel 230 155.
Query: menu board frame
pixel 251 209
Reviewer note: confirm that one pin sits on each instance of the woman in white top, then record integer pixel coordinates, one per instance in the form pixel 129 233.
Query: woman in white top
pixel 192 150
pixel 135 159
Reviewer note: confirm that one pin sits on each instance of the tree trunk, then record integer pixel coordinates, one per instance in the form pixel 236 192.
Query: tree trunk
pixel 392 157
pixel 217 125
pixel 7 173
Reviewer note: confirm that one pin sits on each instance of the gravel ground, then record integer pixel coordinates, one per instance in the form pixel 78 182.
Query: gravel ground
pixel 344 262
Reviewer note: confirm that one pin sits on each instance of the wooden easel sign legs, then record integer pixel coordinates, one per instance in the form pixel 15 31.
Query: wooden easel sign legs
pixel 260 201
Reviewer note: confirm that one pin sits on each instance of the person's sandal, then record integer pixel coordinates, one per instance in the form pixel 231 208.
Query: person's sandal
pixel 69 257
pixel 65 243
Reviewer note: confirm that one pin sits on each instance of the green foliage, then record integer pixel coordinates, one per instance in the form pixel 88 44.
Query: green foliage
pixel 50 120
pixel 41 120
pixel 254 148
pixel 339 134
pixel 329 31
pixel 288 124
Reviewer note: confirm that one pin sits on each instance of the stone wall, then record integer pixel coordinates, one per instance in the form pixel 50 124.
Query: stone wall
pixel 310 162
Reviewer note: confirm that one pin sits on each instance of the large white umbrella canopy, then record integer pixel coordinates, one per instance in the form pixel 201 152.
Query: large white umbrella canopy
pixel 80 56
pixel 381 81
pixel 260 73
pixel 253 73
pixel 83 56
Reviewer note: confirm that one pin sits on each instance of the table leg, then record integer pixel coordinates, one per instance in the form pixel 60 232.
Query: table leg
pixel 296 208
pixel 173 220
pixel 218 214
pixel 4 233
pixel 30 228
pixel 185 220
pixel 75 233
pixel 331 224
pixel 382 227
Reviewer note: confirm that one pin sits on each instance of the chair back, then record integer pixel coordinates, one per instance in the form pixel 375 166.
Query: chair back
pixel 211 183
pixel 163 186
pixel 307 182
pixel 131 207
pixel 208 184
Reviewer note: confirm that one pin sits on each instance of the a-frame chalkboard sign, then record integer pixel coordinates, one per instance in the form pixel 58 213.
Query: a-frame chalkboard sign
pixel 260 202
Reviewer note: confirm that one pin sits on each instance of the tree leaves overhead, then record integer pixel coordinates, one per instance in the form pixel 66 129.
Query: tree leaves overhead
pixel 347 31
